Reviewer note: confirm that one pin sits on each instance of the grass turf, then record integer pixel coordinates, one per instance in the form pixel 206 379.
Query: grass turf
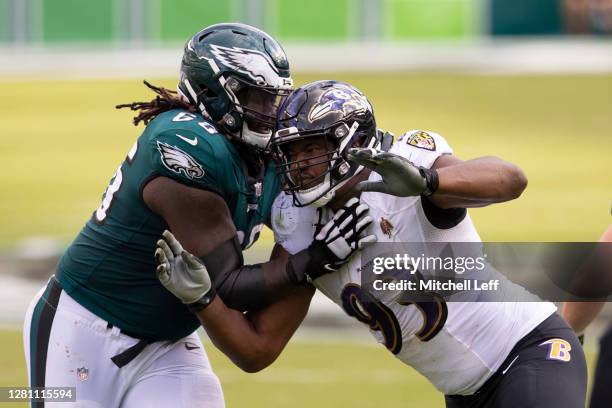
pixel 62 141
pixel 331 373
pixel 307 374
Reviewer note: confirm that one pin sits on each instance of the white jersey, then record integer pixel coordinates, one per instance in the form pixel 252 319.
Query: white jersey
pixel 458 353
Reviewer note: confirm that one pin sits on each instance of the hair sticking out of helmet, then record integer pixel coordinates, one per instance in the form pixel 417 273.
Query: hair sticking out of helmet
pixel 164 101
pixel 237 76
pixel 317 125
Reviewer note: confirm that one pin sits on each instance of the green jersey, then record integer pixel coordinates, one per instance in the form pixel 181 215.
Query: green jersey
pixel 110 268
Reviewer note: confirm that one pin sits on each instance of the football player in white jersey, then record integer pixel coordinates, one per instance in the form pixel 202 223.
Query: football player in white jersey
pixel 483 354
pixel 478 354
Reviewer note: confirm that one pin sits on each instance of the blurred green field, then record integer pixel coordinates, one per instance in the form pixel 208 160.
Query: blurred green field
pixel 62 141
pixel 308 374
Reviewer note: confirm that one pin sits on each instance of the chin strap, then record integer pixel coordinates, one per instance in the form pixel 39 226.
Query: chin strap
pixel 249 137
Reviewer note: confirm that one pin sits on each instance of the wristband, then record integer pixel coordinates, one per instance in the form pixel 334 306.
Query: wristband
pixel 203 302
pixel 432 180
pixel 307 264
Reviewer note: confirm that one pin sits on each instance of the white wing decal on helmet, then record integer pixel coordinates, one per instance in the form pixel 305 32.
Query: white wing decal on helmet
pixel 256 65
pixel 178 161
pixel 338 100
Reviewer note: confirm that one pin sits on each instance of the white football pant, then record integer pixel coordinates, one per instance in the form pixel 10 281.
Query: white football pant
pixel 68 346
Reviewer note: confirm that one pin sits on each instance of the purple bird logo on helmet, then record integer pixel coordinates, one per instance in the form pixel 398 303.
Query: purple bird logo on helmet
pixel 342 100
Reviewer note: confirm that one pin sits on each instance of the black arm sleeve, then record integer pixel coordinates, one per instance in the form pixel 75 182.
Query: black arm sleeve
pixel 442 218
pixel 245 287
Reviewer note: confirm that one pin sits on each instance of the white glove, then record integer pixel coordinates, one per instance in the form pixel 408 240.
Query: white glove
pixel 181 272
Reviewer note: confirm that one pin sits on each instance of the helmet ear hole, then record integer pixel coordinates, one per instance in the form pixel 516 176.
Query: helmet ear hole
pixel 233 84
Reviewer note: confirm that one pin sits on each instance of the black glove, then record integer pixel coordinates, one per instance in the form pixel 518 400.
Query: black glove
pixel 400 177
pixel 337 241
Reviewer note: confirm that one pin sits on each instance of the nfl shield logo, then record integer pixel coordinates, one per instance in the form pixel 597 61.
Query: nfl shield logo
pixel 83 373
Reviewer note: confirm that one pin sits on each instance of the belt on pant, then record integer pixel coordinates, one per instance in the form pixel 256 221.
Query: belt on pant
pixel 129 354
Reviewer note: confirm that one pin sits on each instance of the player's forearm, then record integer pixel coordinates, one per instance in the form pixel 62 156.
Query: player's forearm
pixel 253 287
pixel 253 341
pixel 277 323
pixel 233 334
pixel 580 314
pixel 478 182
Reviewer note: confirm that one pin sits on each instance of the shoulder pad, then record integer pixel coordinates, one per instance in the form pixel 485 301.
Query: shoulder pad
pixel 204 161
pixel 181 119
pixel 293 227
pixel 421 148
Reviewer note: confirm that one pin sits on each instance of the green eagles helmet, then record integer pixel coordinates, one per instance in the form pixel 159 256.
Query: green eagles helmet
pixel 237 76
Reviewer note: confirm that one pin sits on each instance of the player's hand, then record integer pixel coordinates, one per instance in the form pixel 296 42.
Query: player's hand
pixel 343 235
pixel 400 177
pixel 340 238
pixel 182 273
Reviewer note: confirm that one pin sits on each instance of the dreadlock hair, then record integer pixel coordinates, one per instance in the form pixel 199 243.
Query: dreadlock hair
pixel 164 101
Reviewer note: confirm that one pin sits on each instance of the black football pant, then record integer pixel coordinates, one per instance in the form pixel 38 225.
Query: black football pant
pixel 546 369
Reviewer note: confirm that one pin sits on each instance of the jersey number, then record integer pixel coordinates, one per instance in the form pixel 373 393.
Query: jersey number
pixel 359 304
pixel 188 117
pixel 113 187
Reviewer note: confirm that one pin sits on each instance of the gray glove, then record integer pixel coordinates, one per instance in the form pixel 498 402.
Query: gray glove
pixel 182 273
pixel 400 177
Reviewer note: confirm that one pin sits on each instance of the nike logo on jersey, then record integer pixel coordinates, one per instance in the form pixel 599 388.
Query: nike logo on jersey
pixel 191 346
pixel 192 142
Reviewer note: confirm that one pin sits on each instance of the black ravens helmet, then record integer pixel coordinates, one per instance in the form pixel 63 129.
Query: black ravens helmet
pixel 237 76
pixel 331 109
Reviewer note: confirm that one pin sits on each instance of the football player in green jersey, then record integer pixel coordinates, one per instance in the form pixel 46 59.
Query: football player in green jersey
pixel 105 324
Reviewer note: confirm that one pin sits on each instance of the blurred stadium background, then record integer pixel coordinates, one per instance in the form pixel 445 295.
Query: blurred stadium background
pixel 527 80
